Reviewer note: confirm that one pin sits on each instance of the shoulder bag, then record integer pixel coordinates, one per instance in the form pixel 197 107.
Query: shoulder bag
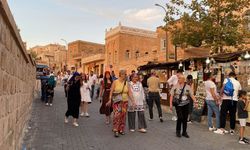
pixel 177 101
pixel 117 97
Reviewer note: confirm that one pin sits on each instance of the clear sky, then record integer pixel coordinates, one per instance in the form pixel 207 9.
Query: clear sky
pixel 47 21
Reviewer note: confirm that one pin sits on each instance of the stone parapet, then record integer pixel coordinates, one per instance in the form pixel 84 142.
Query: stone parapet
pixel 17 82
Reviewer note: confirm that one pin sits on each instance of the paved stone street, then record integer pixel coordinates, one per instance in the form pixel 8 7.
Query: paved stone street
pixel 48 132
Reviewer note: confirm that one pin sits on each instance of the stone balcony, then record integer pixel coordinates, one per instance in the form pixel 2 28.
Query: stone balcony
pixel 77 56
pixel 93 58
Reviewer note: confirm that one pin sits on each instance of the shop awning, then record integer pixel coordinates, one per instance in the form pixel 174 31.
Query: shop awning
pixel 221 58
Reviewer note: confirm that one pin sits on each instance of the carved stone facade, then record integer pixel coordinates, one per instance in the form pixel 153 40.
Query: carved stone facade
pixel 17 82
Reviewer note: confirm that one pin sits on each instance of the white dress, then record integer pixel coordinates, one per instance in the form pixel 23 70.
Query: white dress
pixel 85 92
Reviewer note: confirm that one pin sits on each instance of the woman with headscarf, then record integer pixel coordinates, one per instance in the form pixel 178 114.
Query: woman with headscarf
pixel 104 96
pixel 50 90
pixel 74 98
pixel 119 97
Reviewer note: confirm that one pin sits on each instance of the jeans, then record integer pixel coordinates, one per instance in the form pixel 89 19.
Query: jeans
pixel 182 115
pixel 44 94
pixel 154 97
pixel 228 105
pixel 213 108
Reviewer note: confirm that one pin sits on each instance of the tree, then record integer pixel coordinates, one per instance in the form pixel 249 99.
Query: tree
pixel 33 55
pixel 215 23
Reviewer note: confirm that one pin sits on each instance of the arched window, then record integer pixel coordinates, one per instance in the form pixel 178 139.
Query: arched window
pixel 137 54
pixel 247 18
pixel 127 54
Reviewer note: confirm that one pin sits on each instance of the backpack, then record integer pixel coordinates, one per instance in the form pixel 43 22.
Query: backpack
pixel 229 88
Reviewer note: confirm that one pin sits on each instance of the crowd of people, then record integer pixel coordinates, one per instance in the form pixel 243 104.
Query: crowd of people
pixel 230 98
pixel 129 96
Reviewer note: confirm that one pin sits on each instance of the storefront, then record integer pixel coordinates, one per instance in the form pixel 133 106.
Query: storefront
pixel 220 65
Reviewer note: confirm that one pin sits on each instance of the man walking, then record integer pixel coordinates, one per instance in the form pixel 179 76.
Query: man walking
pixel 44 82
pixel 229 94
pixel 92 81
pixel 154 96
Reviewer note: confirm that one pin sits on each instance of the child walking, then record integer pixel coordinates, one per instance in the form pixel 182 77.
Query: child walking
pixel 242 115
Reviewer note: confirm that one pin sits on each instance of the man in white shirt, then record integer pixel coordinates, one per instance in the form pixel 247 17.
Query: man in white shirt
pixel 229 103
pixel 92 81
pixel 172 81
pixel 92 77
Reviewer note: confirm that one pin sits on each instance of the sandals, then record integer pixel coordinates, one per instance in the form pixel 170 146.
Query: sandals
pixel 116 134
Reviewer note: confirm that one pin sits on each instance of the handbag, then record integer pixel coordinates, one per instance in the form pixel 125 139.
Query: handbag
pixel 177 101
pixel 117 97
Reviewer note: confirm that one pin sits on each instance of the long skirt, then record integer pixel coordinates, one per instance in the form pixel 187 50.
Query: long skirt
pixel 119 118
pixel 107 110
pixel 73 108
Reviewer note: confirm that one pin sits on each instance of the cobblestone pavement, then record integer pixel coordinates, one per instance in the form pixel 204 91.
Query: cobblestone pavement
pixel 47 131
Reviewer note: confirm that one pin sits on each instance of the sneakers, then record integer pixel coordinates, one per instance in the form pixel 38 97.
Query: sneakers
pixel 132 130
pixel 143 130
pixel 232 132
pixel 241 141
pixel 47 104
pixel 75 124
pixel 150 119
pixel 66 120
pixel 161 120
pixel 189 121
pixel 225 131
pixel 174 118
pixel 86 115
pixel 212 129
pixel 246 140
pixel 219 131
pixel 50 104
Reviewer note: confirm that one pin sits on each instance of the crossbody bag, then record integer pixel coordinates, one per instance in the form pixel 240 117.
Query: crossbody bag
pixel 117 97
pixel 177 101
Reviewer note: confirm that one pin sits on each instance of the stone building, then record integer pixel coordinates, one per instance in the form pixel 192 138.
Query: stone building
pixel 17 82
pixel 53 55
pixel 128 48
pixel 86 56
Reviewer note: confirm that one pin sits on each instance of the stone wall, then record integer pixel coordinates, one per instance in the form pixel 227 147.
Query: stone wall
pixel 17 82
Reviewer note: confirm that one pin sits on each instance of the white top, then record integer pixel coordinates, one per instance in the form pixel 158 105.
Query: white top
pixel 85 92
pixel 70 76
pixel 173 80
pixel 208 86
pixel 237 87
pixel 92 78
pixel 138 95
